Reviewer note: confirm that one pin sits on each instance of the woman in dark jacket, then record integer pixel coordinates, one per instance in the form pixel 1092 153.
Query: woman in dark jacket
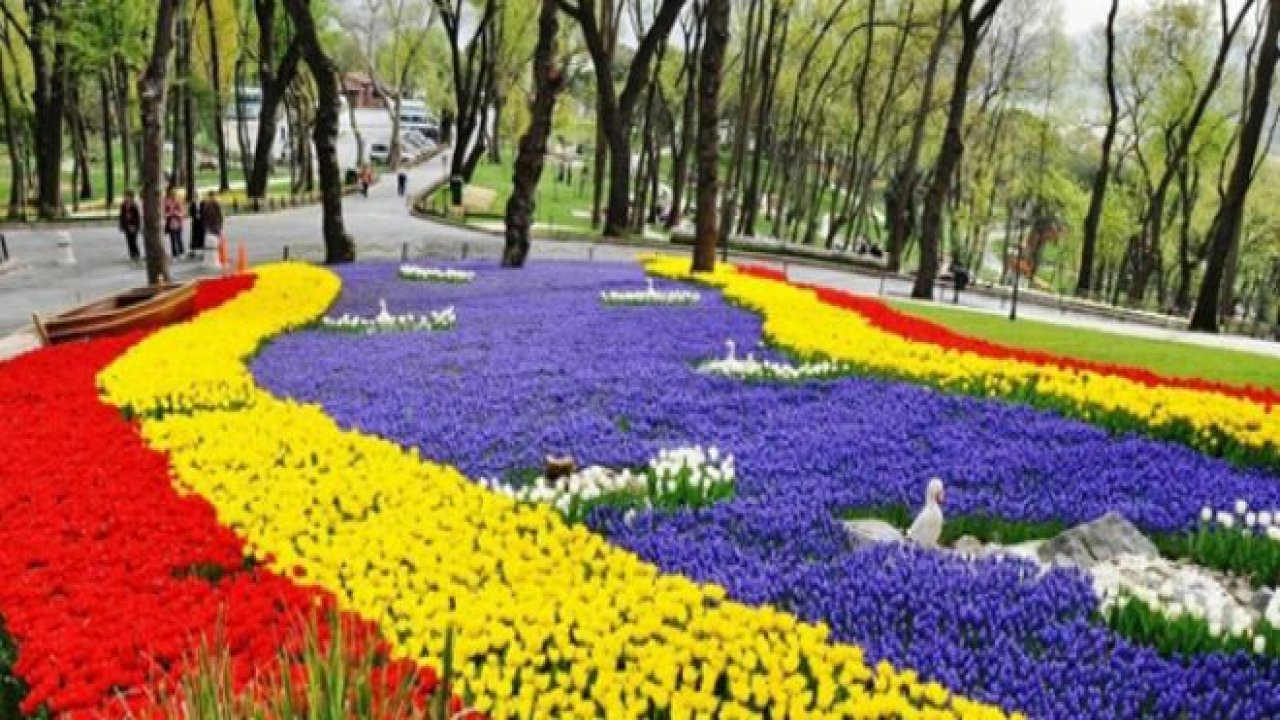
pixel 196 210
pixel 131 224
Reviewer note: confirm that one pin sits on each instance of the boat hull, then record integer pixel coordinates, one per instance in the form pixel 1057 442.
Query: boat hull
pixel 140 309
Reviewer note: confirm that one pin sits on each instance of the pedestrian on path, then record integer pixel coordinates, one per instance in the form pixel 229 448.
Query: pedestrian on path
pixel 198 227
pixel 366 179
pixel 211 211
pixel 402 183
pixel 131 224
pixel 173 222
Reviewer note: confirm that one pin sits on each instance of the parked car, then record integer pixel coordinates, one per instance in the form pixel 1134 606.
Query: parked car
pixel 380 153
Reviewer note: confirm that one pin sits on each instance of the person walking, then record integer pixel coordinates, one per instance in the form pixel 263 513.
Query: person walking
pixel 402 183
pixel 366 179
pixel 195 210
pixel 173 222
pixel 211 213
pixel 131 224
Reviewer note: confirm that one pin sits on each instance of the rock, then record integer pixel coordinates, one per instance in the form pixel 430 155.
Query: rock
pixel 869 530
pixel 968 544
pixel 1102 540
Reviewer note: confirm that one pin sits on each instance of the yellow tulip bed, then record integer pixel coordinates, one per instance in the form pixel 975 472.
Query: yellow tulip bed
pixel 548 619
pixel 797 319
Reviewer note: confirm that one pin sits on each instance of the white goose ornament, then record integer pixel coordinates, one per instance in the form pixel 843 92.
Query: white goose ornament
pixel 927 527
pixel 384 315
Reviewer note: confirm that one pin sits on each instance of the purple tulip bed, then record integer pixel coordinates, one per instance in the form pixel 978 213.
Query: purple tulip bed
pixel 537 365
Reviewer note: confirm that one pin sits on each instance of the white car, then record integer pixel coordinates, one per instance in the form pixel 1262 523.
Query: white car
pixel 380 153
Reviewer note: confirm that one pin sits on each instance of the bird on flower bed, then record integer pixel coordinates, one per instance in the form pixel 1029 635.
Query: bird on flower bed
pixel 927 527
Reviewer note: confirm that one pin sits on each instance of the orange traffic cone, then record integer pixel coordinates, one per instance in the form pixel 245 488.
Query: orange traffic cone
pixel 242 260
pixel 224 261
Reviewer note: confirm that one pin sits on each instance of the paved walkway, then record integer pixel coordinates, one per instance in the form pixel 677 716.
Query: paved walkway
pixel 383 227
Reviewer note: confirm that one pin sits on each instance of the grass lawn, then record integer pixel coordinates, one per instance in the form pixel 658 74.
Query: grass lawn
pixel 1167 358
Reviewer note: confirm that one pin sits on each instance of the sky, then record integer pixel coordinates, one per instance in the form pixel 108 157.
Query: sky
pixel 1082 15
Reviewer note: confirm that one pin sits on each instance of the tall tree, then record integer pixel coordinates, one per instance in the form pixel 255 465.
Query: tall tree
pixel 1226 226
pixel 900 198
pixel 153 88
pixel 1093 218
pixel 215 80
pixel 273 81
pixel 617 109
pixel 472 66
pixel 710 77
pixel 339 247
pixel 973 26
pixel 548 79
pixel 48 64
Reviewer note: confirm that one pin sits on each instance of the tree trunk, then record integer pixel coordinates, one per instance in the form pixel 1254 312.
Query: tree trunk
pixel 747 84
pixel 120 80
pixel 972 27
pixel 339 247
pixel 547 81
pixel 17 189
pixel 1093 218
pixel 242 128
pixel 188 101
pixel 769 68
pixel 104 90
pixel 900 202
pixel 1226 227
pixel 152 90
pixel 79 143
pixel 709 80
pixel 49 100
pixel 273 81
pixel 215 77
pixel 688 120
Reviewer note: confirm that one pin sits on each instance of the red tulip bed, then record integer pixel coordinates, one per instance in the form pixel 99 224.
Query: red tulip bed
pixel 112 580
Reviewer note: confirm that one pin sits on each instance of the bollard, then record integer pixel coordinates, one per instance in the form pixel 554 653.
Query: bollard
pixel 242 259
pixel 4 248
pixel 404 252
pixel 591 252
pixel 464 250
pixel 212 260
pixel 286 252
pixel 67 249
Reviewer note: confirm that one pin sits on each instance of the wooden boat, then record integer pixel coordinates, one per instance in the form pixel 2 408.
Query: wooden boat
pixel 137 309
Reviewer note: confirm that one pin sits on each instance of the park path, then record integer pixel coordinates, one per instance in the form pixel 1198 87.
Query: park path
pixel 382 223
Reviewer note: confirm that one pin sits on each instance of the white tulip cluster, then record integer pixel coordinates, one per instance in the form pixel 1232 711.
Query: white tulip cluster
pixel 702 470
pixel 385 321
pixel 651 295
pixel 698 468
pixel 752 369
pixel 1241 517
pixel 1175 592
pixel 432 274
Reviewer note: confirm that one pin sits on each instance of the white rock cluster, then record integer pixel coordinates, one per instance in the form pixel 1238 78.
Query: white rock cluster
pixel 751 368
pixel 385 321
pixel 433 274
pixel 651 295
pixel 686 467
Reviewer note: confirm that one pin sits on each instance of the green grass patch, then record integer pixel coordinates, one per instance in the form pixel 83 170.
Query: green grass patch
pixel 1165 357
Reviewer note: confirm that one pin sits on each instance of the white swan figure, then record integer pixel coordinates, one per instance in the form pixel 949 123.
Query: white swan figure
pixel 731 350
pixel 927 527
pixel 652 290
pixel 384 316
